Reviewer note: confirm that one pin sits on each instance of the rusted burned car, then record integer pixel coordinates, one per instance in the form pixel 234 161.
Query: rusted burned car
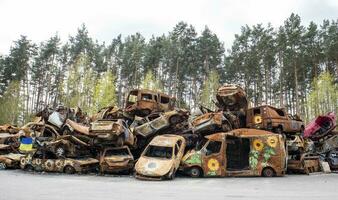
pixel 232 98
pixel 273 119
pixel 143 102
pixel 11 160
pixel 321 126
pixel 303 163
pixel 102 132
pixel 212 122
pixel 47 161
pixel 240 152
pixel 161 158
pixel 115 160
pixel 159 121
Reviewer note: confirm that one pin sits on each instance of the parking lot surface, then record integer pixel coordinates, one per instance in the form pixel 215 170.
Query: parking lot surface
pixel 20 185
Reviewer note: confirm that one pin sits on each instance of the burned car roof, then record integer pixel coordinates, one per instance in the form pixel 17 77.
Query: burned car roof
pixel 166 140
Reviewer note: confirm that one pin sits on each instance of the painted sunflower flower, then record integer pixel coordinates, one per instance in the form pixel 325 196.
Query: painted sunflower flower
pixel 272 141
pixel 213 164
pixel 258 145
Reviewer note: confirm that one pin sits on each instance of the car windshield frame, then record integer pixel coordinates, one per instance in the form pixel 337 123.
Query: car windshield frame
pixel 158 151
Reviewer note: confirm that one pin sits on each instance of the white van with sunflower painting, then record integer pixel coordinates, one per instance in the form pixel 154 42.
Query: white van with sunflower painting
pixel 240 152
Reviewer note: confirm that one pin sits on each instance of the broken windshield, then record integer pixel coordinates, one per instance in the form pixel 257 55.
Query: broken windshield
pixel 117 152
pixel 159 152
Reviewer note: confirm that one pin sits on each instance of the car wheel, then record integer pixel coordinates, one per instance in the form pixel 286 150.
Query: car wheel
pixel 69 169
pixel 268 172
pixel 195 172
pixel 2 166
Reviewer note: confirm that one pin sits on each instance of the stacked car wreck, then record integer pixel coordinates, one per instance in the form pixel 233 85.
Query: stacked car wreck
pixel 153 139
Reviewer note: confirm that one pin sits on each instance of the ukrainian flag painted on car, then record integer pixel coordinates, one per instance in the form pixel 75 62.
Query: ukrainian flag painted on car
pixel 26 144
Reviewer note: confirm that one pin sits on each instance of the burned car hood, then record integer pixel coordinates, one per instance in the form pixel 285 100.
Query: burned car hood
pixel 153 166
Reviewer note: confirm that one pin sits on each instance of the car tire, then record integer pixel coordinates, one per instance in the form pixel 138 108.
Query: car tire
pixel 2 166
pixel 195 172
pixel 268 172
pixel 69 169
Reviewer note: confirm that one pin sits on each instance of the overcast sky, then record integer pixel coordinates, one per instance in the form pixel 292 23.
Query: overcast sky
pixel 105 19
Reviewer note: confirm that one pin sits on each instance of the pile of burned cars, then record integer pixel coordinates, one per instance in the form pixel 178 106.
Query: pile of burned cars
pixel 154 140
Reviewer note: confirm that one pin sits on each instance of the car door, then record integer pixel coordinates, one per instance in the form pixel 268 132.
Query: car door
pixel 213 159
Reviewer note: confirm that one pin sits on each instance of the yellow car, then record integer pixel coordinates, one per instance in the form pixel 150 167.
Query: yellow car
pixel 161 158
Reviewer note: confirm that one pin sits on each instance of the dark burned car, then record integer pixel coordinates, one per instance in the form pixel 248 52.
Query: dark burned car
pixel 47 161
pixel 273 119
pixel 159 121
pixel 214 121
pixel 332 159
pixel 143 102
pixel 115 160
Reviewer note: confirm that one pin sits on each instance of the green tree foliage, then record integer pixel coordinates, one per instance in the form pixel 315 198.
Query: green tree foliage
pixel 209 90
pixel 11 104
pixel 323 96
pixel 105 91
pixel 275 65
pixel 151 83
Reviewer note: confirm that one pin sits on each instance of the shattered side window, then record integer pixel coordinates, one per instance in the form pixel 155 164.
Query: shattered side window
pixel 164 100
pixel 132 98
pixel 213 147
pixel 280 112
pixel 159 152
pixel 146 96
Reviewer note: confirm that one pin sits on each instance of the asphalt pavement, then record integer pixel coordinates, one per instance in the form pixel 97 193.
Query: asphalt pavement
pixel 21 185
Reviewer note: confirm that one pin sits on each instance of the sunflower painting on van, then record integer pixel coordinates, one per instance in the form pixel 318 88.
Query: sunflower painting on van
pixel 241 152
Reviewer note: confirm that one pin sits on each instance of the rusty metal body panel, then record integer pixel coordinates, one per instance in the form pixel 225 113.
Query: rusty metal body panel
pixel 111 112
pixel 117 159
pixel 11 160
pixel 262 150
pixel 143 102
pixel 214 122
pixel 104 132
pixel 272 119
pixel 155 164
pixel 232 98
pixel 303 163
pixel 42 162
